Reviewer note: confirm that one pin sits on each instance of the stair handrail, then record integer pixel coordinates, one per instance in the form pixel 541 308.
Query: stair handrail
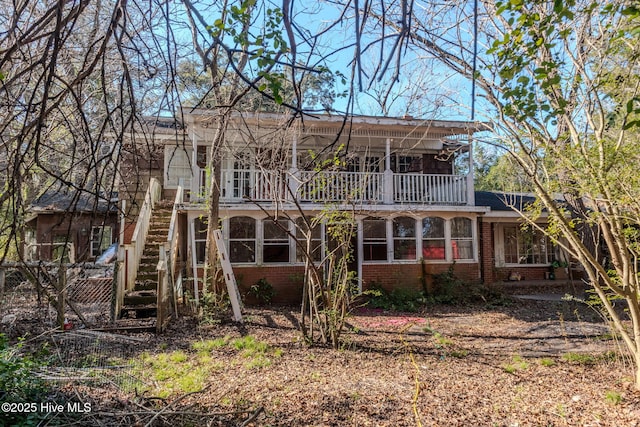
pixel 168 260
pixel 151 197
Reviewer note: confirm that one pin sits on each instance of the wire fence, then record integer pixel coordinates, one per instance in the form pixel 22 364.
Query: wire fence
pixel 69 296
pixel 92 357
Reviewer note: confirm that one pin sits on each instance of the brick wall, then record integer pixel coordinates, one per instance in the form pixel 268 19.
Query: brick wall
pixel 409 276
pixel 487 252
pixel 526 273
pixel 286 281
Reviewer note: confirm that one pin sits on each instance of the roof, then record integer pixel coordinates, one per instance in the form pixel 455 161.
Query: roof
pixel 503 201
pixel 64 199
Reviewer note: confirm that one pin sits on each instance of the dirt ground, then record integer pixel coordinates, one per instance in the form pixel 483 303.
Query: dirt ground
pixel 523 363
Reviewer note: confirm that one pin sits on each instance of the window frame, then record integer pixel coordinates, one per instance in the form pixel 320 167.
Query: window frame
pixel 398 240
pixel 536 236
pixel 442 239
pixel 316 239
pixel 100 250
pixel 200 243
pixel 284 241
pixel 466 239
pixel 374 242
pixel 233 240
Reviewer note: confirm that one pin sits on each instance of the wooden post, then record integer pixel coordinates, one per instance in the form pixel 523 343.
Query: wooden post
pixel 2 283
pixel 160 289
pixel 60 288
pixel 229 278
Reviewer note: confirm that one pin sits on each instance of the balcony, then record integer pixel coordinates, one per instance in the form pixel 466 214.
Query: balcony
pixel 342 187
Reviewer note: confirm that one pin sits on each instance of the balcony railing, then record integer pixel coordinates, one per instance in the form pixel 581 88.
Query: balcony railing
pixel 429 189
pixel 342 187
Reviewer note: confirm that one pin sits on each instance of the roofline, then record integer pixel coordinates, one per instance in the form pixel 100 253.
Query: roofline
pixel 459 126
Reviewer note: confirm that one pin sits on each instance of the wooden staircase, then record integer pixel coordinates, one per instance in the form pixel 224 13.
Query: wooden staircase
pixel 141 303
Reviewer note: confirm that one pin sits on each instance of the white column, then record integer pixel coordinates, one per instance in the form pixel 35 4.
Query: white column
pixel 194 260
pixel 359 253
pixel 293 180
pixel 390 242
pixel 387 196
pixel 471 199
pixel 195 169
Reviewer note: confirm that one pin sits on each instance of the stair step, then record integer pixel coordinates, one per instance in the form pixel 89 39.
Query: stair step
pixel 141 311
pixel 148 267
pixel 139 298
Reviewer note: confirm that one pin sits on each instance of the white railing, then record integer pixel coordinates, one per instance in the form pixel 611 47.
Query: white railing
pixel 167 266
pixel 340 186
pixel 133 251
pixel 361 187
pixel 255 185
pixel 418 188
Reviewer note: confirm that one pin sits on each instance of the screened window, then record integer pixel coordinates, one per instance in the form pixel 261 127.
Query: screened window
pixel 526 246
pixel 101 239
pixel 374 234
pixel 462 238
pixel 302 232
pixel 404 238
pixel 275 242
pixel 433 238
pixel 242 239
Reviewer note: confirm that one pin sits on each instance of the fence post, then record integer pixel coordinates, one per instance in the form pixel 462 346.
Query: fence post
pixel 62 276
pixel 160 290
pixel 2 283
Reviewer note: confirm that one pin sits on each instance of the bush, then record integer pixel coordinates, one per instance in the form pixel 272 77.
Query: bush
pixel 398 299
pixel 262 291
pixel 18 384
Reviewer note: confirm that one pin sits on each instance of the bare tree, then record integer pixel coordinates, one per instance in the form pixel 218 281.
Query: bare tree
pixel 559 83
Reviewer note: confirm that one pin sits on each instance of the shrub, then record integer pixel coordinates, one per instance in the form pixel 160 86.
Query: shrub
pixel 262 291
pixel 18 384
pixel 398 299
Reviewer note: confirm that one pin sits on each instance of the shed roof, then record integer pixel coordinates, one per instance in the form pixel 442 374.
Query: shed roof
pixel 61 198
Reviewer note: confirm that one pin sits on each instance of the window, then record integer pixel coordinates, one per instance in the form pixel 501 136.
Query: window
pixel 200 228
pixel 62 249
pixel 406 164
pixel 374 164
pixel 242 176
pixel 275 243
pixel 316 239
pixel 374 244
pixel 433 239
pixel 177 166
pixel 526 246
pixel 404 238
pixel 100 240
pixel 462 238
pixel 242 239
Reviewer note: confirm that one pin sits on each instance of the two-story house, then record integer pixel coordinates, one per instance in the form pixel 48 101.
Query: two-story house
pixel 409 183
